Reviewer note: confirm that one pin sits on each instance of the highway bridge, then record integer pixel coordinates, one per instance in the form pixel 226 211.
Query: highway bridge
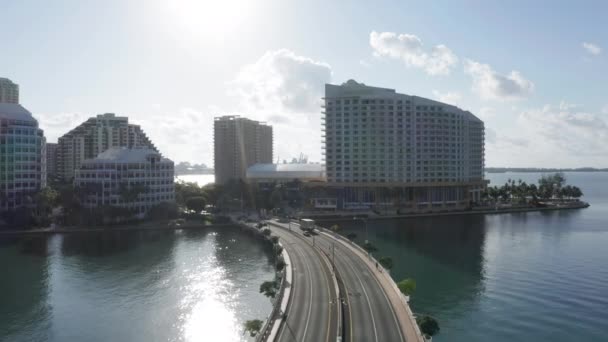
pixel 338 293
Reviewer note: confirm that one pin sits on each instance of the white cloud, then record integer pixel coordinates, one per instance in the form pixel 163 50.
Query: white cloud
pixel 365 63
pixel 285 90
pixel 605 109
pixel 486 113
pixel 452 98
pixel 491 85
pixel 408 48
pixel 281 80
pixel 567 133
pixel 592 49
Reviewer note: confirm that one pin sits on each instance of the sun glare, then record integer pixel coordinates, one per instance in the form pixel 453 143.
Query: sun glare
pixel 210 18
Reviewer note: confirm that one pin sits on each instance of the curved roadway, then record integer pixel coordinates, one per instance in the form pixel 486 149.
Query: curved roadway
pixel 312 313
pixel 369 315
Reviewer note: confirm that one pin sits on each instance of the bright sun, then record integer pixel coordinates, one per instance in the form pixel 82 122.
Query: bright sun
pixel 210 18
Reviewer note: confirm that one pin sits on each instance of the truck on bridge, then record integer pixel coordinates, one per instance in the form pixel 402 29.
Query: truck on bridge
pixel 307 224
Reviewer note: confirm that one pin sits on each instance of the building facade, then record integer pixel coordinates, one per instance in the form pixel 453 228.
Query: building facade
pixel 238 144
pixel 51 159
pixel 22 152
pixel 9 91
pixel 425 154
pixel 95 136
pixel 131 178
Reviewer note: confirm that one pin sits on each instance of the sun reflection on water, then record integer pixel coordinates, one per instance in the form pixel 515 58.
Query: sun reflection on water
pixel 209 303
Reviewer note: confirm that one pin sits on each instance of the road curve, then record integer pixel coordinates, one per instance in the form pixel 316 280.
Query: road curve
pixel 370 315
pixel 312 314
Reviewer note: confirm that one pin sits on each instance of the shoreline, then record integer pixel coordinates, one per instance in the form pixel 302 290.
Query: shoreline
pixel 329 217
pixel 147 226
pixel 341 216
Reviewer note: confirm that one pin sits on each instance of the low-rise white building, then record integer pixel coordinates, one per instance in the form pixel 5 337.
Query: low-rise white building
pixel 286 172
pixel 137 179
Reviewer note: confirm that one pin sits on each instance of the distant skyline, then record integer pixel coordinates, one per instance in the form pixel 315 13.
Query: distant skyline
pixel 536 73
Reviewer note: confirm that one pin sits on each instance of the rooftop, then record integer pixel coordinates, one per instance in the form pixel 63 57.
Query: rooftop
pixel 14 111
pixel 127 155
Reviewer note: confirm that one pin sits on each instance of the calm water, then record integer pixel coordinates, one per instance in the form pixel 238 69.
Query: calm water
pixel 510 277
pixel 201 180
pixel 133 286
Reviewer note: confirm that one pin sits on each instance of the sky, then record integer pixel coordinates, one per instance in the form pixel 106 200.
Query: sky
pixel 535 72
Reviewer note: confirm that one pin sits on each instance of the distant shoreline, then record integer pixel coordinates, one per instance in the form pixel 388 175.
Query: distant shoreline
pixel 541 170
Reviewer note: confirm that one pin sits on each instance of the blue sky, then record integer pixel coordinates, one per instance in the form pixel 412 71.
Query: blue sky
pixel 535 72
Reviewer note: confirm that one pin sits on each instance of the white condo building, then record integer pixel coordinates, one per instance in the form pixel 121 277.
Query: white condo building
pixel 117 171
pixel 94 136
pixel 429 154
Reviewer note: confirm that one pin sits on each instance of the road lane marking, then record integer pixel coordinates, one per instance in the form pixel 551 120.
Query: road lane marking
pixel 390 305
pixel 310 301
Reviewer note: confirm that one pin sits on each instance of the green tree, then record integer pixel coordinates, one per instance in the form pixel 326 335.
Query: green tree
pixel 368 246
pixel 196 203
pixel 407 286
pixel 280 263
pixel 269 288
pixel 335 228
pixel 274 239
pixel 253 327
pixel 386 262
pixel 45 199
pixel 266 232
pixel 576 192
pixel 428 325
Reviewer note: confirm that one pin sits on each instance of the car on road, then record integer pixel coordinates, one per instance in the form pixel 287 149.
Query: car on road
pixel 307 233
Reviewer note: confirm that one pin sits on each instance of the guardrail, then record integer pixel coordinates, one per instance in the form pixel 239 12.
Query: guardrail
pixel 270 327
pixel 277 308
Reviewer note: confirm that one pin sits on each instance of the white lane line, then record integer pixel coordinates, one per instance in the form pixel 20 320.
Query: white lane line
pixel 311 297
pixel 390 306
pixel 368 301
pixel 379 285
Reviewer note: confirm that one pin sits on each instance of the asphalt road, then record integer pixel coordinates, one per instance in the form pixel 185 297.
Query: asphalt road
pixel 312 313
pixel 369 315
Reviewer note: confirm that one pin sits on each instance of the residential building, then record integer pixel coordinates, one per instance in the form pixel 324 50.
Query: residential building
pixel 132 178
pixel 22 151
pixel 238 144
pixel 51 159
pixel 95 136
pixel 9 91
pixel 389 150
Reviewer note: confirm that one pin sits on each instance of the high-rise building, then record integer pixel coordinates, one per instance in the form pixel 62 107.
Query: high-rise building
pixel 428 154
pixel 132 178
pixel 51 159
pixel 238 144
pixel 22 151
pixel 95 136
pixel 9 91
